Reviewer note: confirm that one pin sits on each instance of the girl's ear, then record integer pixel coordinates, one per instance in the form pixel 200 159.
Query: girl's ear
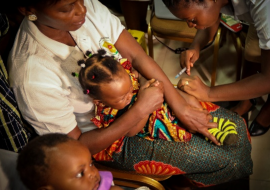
pixel 98 103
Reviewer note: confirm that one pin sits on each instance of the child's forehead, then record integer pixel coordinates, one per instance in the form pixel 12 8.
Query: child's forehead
pixel 68 147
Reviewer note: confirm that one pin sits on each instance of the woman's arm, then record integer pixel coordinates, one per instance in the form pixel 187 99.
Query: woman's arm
pixel 250 87
pixel 202 38
pixel 193 118
pixel 191 100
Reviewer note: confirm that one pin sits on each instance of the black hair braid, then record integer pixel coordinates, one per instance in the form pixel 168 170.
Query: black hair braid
pixel 98 69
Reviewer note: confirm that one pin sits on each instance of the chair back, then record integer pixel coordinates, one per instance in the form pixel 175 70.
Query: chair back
pixel 162 11
pixel 134 179
pixel 9 178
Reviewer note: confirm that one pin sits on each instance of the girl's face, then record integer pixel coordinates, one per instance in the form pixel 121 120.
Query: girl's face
pixel 70 167
pixel 65 15
pixel 118 93
pixel 198 16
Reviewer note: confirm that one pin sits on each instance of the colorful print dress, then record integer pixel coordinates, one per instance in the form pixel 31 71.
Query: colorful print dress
pixel 202 162
pixel 161 124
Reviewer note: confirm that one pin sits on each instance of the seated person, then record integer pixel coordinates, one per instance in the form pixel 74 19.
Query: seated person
pixel 49 162
pixel 53 36
pixel 114 87
pixel 13 134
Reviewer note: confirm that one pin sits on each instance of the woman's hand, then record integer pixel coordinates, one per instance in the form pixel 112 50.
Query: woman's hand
pixel 156 83
pixel 140 125
pixel 150 96
pixel 195 87
pixel 197 120
pixel 191 100
pixel 188 58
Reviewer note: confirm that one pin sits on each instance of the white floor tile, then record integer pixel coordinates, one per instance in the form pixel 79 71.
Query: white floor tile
pixel 259 185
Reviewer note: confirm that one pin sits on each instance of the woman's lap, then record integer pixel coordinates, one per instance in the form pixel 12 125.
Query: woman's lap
pixel 199 160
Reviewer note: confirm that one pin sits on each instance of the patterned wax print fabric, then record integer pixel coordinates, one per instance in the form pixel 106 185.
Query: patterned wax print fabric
pixel 204 163
pixel 161 123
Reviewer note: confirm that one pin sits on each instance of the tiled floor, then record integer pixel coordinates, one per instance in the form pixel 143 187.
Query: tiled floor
pixel 169 62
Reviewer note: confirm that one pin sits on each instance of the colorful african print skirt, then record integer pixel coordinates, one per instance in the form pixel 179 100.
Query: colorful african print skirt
pixel 204 163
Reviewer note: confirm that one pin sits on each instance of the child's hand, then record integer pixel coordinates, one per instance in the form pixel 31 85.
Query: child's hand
pixel 136 73
pixel 149 83
pixel 156 83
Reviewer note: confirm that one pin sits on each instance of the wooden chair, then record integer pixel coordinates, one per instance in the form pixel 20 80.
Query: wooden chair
pixel 134 179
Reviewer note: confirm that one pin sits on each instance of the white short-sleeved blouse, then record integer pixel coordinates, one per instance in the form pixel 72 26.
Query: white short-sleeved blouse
pixel 49 97
pixel 255 12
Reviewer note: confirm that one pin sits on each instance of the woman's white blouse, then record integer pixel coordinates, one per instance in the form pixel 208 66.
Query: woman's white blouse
pixel 49 97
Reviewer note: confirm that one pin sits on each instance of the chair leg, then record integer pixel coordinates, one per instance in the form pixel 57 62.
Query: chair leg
pixel 238 47
pixel 223 35
pixel 215 57
pixel 150 42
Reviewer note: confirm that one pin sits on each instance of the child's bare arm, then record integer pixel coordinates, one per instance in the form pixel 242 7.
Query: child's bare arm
pixel 136 129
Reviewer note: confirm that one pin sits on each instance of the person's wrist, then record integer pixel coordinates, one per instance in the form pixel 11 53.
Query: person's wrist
pixel 195 46
pixel 210 97
pixel 181 114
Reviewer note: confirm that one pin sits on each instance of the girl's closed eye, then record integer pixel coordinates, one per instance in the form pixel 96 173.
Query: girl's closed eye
pixel 192 21
pixel 122 99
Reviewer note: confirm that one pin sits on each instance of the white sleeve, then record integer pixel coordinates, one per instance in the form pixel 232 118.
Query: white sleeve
pixel 101 16
pixel 43 101
pixel 260 13
pixel 45 108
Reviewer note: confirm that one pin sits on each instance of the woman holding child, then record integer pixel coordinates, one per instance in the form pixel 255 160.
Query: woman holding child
pixel 56 34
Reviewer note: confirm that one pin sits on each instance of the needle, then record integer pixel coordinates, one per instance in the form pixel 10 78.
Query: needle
pixel 181 72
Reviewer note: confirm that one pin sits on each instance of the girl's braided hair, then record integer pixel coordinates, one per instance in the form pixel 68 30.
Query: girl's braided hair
pixel 97 69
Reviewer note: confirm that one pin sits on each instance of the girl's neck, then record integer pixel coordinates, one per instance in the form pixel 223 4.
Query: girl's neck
pixel 57 35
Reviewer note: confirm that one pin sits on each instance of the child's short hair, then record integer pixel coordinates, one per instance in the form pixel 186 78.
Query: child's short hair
pixel 32 164
pixel 97 69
